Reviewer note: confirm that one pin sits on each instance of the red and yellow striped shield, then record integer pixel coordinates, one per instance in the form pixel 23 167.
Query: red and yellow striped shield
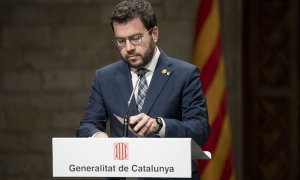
pixel 121 151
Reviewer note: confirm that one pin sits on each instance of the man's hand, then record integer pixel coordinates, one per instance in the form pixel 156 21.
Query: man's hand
pixel 142 124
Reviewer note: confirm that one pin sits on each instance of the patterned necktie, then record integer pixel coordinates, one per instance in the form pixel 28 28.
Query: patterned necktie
pixel 143 86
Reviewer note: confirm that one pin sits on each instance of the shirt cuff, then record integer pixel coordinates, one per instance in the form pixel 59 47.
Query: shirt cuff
pixel 97 133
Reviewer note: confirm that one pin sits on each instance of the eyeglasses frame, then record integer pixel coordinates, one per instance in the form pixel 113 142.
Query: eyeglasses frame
pixel 128 38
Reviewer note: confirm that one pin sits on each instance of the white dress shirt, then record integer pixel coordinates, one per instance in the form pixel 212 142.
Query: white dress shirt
pixel 150 67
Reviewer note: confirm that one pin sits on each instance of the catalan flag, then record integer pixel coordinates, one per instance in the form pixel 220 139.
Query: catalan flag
pixel 209 58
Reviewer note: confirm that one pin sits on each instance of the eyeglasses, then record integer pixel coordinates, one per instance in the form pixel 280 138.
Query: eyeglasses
pixel 135 39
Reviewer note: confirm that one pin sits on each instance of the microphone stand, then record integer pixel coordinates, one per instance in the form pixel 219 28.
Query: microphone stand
pixel 125 130
pixel 126 119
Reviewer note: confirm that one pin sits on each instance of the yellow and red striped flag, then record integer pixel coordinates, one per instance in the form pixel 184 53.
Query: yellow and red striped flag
pixel 209 58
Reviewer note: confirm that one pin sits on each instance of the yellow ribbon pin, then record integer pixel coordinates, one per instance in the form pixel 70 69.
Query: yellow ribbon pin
pixel 164 71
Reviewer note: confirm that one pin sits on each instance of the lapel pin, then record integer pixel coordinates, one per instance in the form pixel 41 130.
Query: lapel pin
pixel 165 72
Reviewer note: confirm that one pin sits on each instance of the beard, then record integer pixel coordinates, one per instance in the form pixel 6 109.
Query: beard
pixel 146 58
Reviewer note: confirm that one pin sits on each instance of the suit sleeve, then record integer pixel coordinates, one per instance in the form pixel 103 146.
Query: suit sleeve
pixel 194 121
pixel 94 119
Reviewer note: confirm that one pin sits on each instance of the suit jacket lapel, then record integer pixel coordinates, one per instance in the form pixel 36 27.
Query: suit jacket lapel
pixel 161 75
pixel 123 79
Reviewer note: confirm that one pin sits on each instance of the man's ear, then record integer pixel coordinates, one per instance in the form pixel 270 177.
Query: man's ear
pixel 155 33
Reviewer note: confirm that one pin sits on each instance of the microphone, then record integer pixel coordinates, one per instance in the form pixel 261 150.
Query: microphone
pixel 126 119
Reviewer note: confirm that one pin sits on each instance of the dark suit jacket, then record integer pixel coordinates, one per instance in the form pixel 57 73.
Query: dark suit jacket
pixel 176 96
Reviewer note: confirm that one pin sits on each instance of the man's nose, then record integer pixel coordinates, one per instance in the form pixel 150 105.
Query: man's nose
pixel 129 46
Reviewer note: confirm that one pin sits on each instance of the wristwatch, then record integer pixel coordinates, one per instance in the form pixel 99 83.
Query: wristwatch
pixel 160 123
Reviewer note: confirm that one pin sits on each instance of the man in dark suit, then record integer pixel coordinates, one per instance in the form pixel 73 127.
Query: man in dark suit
pixel 168 100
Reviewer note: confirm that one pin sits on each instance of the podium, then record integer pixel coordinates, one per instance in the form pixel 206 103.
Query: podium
pixel 125 157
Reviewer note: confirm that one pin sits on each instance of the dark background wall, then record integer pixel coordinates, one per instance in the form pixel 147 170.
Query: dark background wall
pixel 49 50
pixel 271 89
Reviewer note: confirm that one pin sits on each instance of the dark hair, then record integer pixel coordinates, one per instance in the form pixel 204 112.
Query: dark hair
pixel 130 9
